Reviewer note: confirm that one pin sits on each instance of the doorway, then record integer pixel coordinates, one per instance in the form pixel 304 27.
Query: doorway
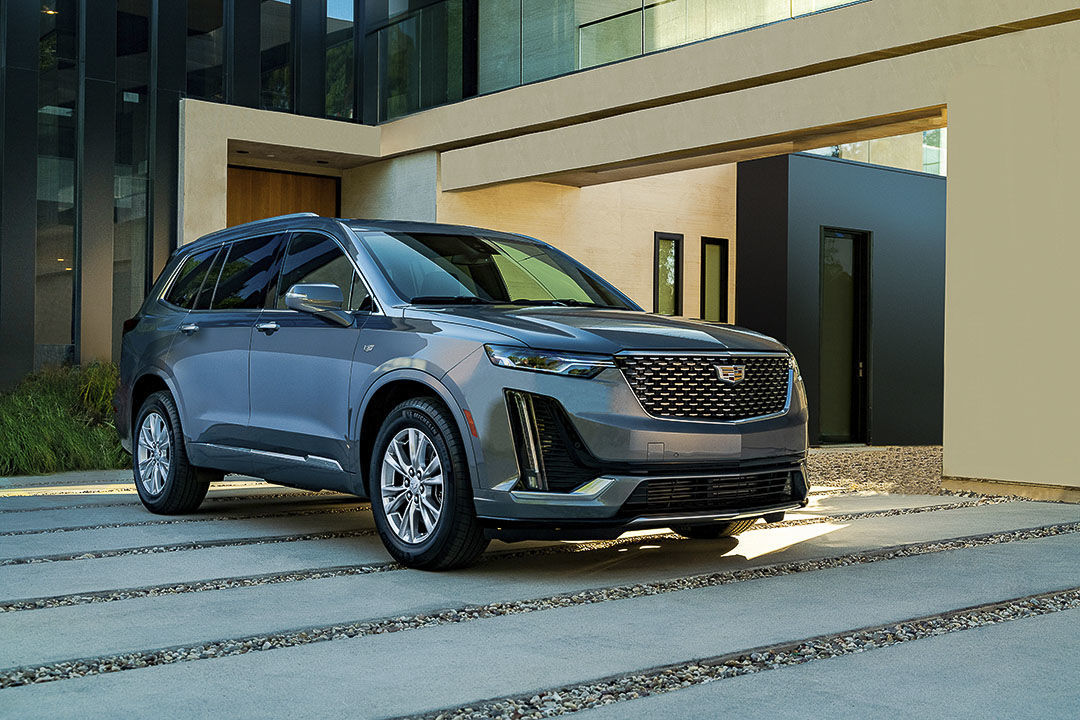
pixel 254 194
pixel 714 279
pixel 844 405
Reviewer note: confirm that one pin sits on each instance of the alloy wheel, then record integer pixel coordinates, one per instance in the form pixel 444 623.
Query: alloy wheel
pixel 411 485
pixel 155 453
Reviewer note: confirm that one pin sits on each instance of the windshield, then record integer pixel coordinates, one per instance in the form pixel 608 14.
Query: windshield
pixel 468 269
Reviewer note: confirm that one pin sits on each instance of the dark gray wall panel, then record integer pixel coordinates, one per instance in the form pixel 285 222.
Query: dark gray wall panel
pixel 761 246
pixel 905 213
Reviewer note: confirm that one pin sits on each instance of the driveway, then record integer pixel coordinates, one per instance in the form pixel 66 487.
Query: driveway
pixel 275 602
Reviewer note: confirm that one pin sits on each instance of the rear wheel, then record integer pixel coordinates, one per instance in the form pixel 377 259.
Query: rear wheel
pixel 421 495
pixel 711 532
pixel 167 483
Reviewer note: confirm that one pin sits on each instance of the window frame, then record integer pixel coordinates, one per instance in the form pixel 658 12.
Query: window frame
pixel 376 306
pixel 725 254
pixel 677 238
pixel 227 246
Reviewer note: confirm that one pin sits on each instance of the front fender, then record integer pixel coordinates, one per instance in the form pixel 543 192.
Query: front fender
pixel 445 389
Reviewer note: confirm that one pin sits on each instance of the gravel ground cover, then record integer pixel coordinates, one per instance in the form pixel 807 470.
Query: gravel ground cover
pixel 12 677
pixel 565 700
pixel 888 469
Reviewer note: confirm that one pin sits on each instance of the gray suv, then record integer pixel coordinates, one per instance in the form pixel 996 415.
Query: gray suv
pixel 474 384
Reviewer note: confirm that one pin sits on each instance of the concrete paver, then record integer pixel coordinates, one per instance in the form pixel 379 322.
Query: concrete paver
pixel 77 631
pixel 380 675
pixel 1017 669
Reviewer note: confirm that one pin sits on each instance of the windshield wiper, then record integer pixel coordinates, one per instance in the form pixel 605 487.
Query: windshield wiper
pixel 449 300
pixel 579 303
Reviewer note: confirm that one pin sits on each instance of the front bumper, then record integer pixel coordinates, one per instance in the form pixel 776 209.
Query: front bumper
pixel 613 504
pixel 613 451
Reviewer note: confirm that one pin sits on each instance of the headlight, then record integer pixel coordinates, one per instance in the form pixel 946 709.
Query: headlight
pixel 548 361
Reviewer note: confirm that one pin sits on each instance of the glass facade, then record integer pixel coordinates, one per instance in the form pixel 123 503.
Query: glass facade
pixel 54 288
pixel 205 49
pixel 340 59
pixel 275 59
pixel 131 180
pixel 922 152
pixel 114 121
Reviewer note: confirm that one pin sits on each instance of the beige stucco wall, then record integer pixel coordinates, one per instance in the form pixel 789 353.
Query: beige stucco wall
pixel 610 227
pixel 402 188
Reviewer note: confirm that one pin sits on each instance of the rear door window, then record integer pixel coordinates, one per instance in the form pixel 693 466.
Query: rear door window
pixel 246 274
pixel 190 279
pixel 316 258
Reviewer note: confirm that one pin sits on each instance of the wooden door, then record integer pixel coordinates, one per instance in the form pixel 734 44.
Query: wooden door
pixel 257 194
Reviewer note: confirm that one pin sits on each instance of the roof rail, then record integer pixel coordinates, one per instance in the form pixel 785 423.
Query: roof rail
pixel 282 217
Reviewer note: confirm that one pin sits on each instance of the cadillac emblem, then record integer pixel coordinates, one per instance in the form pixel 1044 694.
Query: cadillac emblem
pixel 731 374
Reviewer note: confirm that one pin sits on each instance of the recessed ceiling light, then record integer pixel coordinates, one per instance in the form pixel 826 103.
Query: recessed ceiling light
pixel 241 152
pixel 67 268
pixel 59 259
pixel 270 155
pixel 322 162
pixel 50 11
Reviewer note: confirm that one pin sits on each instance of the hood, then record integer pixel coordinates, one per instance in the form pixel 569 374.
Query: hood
pixel 592 330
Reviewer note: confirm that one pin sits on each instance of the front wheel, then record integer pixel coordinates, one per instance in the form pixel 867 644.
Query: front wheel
pixel 167 483
pixel 712 532
pixel 421 496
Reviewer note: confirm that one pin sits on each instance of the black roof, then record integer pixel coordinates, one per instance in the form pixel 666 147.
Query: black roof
pixel 305 219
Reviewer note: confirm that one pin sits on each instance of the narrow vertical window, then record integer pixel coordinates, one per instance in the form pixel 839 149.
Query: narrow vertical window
pixel 340 51
pixel 205 49
pixel 667 274
pixel 276 54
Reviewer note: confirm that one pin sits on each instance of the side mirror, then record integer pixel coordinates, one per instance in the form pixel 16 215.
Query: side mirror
pixel 322 299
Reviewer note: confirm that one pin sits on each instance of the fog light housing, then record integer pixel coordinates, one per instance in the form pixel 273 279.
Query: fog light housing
pixel 526 440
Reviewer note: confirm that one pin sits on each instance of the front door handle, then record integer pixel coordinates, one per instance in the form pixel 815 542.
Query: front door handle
pixel 267 327
pixel 189 328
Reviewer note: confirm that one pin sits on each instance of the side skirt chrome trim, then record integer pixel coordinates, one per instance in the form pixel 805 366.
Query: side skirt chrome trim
pixel 315 461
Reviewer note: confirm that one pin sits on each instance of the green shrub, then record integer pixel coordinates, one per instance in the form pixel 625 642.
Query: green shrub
pixel 61 419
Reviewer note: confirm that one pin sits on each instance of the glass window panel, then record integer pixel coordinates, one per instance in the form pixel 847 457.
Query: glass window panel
pixel 190 279
pixel 205 49
pixel 610 39
pixel 668 275
pixel 802 7
pixel 340 49
pixel 246 274
pixel 441 53
pixel 399 64
pixel 499 31
pixel 205 295
pixel 713 279
pixel 276 48
pixel 315 258
pixel 130 176
pixel 837 335
pixel 56 145
pixel 725 16
pixel 548 39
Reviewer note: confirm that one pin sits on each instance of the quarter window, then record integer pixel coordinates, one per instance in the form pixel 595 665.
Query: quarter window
pixel 245 275
pixel 316 258
pixel 190 279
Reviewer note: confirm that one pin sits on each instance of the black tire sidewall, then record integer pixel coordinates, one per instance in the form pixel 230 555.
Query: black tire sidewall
pixel 418 414
pixel 185 486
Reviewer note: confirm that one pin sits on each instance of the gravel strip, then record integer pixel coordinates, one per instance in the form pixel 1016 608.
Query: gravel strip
pixel 891 469
pixel 342 570
pixel 178 547
pixel 12 677
pixel 573 698
pixel 330 495
pixel 191 519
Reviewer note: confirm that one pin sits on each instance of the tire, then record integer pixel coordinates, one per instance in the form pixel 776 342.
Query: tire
pixel 423 432
pixel 712 532
pixel 172 485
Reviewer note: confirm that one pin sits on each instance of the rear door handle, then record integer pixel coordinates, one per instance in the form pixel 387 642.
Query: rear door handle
pixel 189 328
pixel 267 327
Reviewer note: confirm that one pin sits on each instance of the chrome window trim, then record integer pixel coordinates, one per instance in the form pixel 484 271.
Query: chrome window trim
pixel 712 353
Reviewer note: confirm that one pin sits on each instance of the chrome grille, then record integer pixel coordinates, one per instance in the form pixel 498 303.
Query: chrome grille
pixel 689 386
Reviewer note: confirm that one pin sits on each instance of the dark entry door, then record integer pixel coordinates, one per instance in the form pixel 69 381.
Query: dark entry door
pixel 714 279
pixel 845 327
